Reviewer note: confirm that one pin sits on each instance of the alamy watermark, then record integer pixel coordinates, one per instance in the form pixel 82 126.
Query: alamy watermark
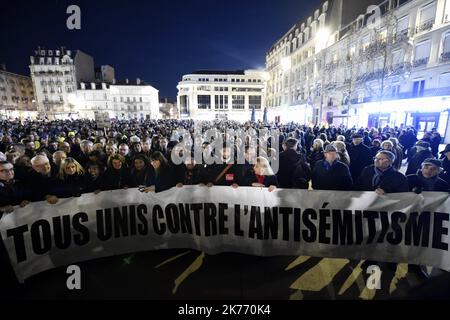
pixel 231 146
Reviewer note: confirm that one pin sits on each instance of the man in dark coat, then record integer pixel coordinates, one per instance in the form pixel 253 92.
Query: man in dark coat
pixel 40 181
pixel 435 142
pixel 381 177
pixel 288 161
pixel 331 174
pixel 11 194
pixel 408 140
pixel 360 156
pixel 423 152
pixel 226 173
pixel 427 178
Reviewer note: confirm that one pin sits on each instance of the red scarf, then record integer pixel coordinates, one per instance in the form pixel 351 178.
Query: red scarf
pixel 259 179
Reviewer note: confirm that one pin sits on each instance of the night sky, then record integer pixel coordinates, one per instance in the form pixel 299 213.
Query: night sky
pixel 156 40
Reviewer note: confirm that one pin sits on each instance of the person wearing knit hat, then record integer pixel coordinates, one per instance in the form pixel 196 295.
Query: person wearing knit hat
pixel 422 152
pixel 427 178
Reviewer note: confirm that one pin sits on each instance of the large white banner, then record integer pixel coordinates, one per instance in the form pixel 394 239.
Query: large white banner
pixel 405 227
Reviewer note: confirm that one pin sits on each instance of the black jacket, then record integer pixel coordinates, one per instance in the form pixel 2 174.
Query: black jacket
pixel 12 194
pixel 165 179
pixel 315 156
pixel 302 175
pixel 232 175
pixel 115 179
pixel 391 181
pixel 72 186
pixel 418 181
pixel 288 161
pixel 40 185
pixel 145 177
pixel 192 177
pixel 360 157
pixel 338 177
pixel 415 162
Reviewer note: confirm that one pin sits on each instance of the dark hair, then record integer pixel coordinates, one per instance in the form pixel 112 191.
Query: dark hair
pixel 290 143
pixel 3 162
pixel 140 157
pixel 115 157
pixel 160 157
pixel 95 164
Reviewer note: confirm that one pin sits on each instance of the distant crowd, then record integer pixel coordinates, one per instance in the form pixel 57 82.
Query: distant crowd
pixel 60 159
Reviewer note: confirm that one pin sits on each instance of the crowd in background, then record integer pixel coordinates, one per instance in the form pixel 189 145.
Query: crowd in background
pixel 60 159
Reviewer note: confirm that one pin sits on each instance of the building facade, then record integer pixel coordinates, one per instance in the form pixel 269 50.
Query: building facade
pixel 55 74
pixel 105 74
pixel 388 71
pixel 17 98
pixel 121 100
pixel 168 109
pixel 208 95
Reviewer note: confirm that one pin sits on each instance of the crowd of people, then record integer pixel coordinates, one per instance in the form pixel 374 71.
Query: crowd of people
pixel 48 160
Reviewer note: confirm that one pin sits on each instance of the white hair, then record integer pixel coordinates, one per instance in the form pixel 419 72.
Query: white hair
pixel 39 157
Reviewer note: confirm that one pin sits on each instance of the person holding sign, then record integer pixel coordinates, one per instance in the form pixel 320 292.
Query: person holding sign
pixel 164 174
pixel 381 176
pixel 261 175
pixel 427 178
pixel 11 194
pixel 330 173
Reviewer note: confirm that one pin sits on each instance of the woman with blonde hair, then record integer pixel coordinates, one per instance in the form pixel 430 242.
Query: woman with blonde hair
pixel 71 179
pixel 262 175
pixel 316 152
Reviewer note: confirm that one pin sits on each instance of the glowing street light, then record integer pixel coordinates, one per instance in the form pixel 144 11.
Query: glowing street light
pixel 321 39
pixel 285 63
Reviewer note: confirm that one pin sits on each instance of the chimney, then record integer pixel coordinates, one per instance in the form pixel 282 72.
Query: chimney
pixel 138 81
pixel 103 86
pixel 114 81
pixel 92 85
pixel 126 80
pixel 83 86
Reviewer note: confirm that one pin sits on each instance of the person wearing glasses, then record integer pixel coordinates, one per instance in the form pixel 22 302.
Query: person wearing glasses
pixel 427 178
pixel 381 177
pixel 11 194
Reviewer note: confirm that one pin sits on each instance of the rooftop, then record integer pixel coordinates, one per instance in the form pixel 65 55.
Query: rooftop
pixel 220 72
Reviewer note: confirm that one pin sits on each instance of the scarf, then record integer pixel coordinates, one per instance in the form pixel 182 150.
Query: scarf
pixel 379 175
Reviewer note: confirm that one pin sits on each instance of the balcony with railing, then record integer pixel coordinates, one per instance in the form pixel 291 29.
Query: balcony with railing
pixel 402 36
pixel 425 26
pixel 445 57
pixel 420 62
